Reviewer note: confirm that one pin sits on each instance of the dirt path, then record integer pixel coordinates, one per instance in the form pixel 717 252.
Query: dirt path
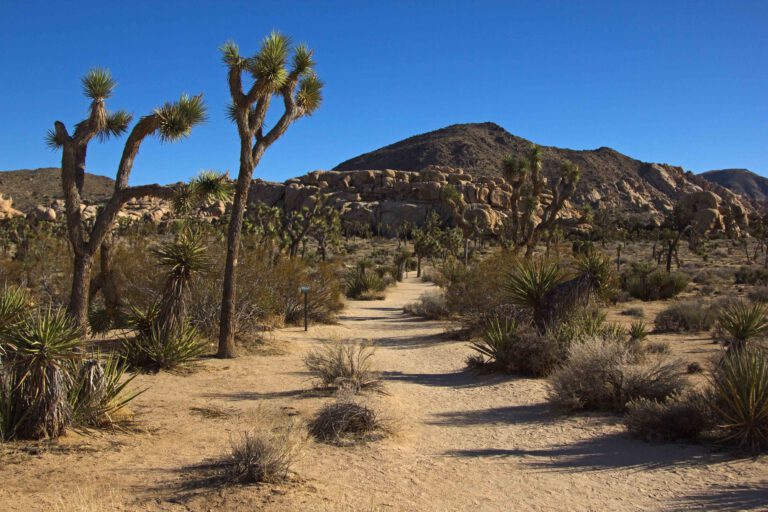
pixel 463 443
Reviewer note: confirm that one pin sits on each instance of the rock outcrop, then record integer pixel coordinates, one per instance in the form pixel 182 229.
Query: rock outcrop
pixel 7 211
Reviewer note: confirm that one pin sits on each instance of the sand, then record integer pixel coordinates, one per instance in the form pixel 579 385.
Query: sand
pixel 462 441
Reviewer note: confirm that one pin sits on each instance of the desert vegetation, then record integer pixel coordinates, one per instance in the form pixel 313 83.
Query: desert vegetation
pixel 505 319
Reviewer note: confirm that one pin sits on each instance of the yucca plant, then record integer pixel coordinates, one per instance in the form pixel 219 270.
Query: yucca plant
pixel 183 259
pixel 43 347
pixel 13 302
pixel 743 322
pixel 100 390
pixel 598 269
pixel 158 350
pixel 496 343
pixel 529 280
pixel 638 331
pixel 740 398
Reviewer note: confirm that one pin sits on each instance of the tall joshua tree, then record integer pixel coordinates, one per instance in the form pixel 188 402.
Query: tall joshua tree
pixel 170 122
pixel 525 177
pixel 301 92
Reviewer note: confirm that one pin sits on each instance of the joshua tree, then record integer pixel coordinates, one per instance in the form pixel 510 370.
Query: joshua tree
pixel 170 122
pixel 522 228
pixel 453 199
pixel 326 230
pixel 301 92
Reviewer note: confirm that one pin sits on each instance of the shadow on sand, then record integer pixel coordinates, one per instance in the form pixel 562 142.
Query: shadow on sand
pixel 728 498
pixel 514 415
pixel 607 452
pixel 456 379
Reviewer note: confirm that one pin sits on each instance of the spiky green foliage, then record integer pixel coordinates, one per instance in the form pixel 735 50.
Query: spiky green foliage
pixel 43 346
pixel 310 94
pixel 530 279
pixel 115 125
pixel 182 259
pixel 163 350
pixel 13 303
pixel 54 140
pixel 98 84
pixel 100 390
pixel 362 283
pixel 743 322
pixel 638 331
pixel 303 59
pixel 230 54
pixel 740 398
pixel 211 186
pixel 176 120
pixel 268 64
pixel 599 270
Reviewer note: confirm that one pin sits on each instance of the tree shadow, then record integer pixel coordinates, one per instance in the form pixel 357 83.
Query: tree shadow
pixel 727 498
pixel 253 395
pixel 607 452
pixel 456 379
pixel 410 341
pixel 193 481
pixel 518 414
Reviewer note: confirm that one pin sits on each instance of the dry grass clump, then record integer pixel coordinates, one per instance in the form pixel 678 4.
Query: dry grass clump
pixel 681 417
pixel 266 455
pixel 636 312
pixel 431 305
pixel 348 421
pixel 340 365
pixel 688 316
pixel 602 374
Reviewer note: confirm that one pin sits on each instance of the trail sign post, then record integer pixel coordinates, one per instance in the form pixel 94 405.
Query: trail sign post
pixel 305 290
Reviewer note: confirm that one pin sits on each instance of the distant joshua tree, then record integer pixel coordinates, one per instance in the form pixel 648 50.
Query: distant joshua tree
pixel 170 122
pixel 523 228
pixel 301 92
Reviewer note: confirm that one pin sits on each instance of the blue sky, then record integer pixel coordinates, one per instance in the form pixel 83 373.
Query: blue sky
pixel 678 82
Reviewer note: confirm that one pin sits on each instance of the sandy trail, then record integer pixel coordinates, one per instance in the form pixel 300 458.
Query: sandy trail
pixel 464 442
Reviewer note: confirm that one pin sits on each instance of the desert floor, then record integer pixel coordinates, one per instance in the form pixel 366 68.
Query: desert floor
pixel 462 441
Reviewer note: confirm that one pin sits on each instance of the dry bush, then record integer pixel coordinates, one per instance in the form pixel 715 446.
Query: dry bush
pixel 430 305
pixel 514 348
pixel 758 294
pixel 688 316
pixel 600 374
pixel 478 291
pixel 347 421
pixel 646 283
pixel 266 455
pixel 635 312
pixel 346 366
pixel 751 275
pixel 681 417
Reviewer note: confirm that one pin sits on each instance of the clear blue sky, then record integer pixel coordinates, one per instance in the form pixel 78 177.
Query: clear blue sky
pixel 672 81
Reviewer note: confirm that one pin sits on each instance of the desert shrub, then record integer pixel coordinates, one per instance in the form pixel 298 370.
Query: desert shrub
pixel 635 312
pixel 742 322
pixel 758 294
pixel 100 390
pixel 347 421
pixel 36 375
pixel 430 305
pixel 682 416
pixel 362 283
pixel 658 347
pixel 751 275
pixel 471 297
pixel 511 347
pixel 265 456
pixel 155 350
pixel 344 366
pixel 13 303
pixel 740 398
pixel 688 316
pixel 643 283
pixel 599 374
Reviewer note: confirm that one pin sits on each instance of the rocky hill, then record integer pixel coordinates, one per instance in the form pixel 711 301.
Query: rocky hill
pixel 610 180
pixel 741 181
pixel 31 187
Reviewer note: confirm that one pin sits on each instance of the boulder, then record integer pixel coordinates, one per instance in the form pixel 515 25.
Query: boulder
pixel 42 213
pixel 7 211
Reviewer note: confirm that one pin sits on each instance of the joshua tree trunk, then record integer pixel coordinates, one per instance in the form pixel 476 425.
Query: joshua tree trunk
pixel 81 281
pixel 227 327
